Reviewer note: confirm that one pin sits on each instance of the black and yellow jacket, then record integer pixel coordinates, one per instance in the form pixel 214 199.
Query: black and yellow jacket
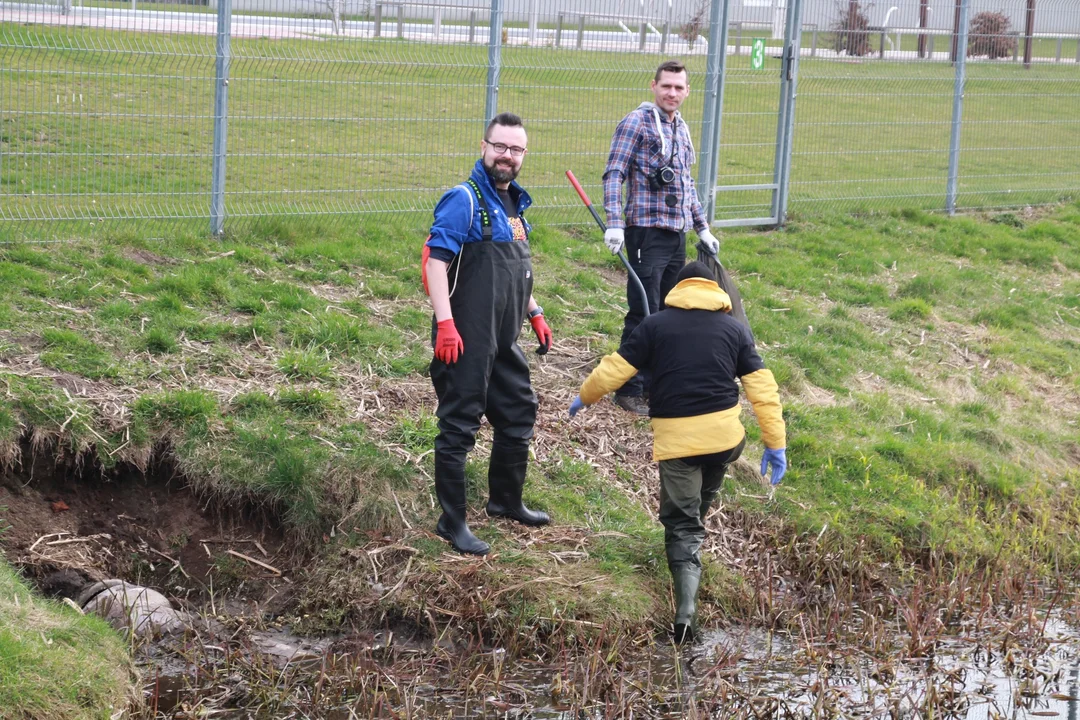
pixel 693 351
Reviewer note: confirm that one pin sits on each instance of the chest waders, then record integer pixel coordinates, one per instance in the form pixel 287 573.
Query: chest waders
pixel 489 304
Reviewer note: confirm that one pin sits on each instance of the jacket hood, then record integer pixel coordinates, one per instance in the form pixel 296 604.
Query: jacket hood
pixel 698 294
pixel 650 106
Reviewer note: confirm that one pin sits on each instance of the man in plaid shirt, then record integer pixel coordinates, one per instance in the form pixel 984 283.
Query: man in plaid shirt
pixel 651 152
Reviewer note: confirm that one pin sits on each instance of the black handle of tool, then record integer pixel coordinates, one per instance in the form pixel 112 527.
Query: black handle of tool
pixel 603 227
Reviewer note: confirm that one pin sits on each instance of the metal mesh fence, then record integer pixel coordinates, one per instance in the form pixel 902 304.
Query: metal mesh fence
pixel 878 100
pixel 1021 115
pixel 99 123
pixel 113 112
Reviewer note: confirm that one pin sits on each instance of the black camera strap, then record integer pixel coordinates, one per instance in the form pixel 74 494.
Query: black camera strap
pixel 670 200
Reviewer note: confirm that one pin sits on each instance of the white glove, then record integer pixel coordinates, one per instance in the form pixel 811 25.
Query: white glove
pixel 709 241
pixel 613 238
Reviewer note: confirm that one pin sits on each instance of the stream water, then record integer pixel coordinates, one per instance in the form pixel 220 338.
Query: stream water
pixel 731 673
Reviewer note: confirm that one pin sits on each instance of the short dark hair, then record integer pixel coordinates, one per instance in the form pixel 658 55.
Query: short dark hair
pixel 695 270
pixel 671 66
pixel 506 119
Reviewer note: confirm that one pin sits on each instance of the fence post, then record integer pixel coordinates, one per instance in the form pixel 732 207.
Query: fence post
pixel 956 50
pixel 958 109
pixel 924 19
pixel 436 24
pixel 667 29
pixel 716 64
pixel 221 116
pixel 581 32
pixel 472 27
pixel 1029 27
pixel 400 21
pixel 1057 58
pixel 791 76
pixel 813 45
pixel 378 20
pixel 558 31
pixel 491 104
pixel 643 32
pixel 534 22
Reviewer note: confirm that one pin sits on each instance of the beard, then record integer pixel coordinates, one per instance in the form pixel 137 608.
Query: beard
pixel 500 172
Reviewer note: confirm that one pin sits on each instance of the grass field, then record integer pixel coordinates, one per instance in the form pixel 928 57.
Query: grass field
pixel 113 125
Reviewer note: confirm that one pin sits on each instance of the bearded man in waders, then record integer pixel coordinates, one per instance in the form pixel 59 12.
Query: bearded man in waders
pixel 478 272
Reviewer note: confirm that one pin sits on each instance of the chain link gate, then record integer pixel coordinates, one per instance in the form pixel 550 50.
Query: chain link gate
pixel 756 153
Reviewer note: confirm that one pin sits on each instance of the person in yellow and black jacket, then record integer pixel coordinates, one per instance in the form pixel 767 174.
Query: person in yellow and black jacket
pixel 694 350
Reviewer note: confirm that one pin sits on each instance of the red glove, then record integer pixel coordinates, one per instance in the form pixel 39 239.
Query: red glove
pixel 543 334
pixel 448 345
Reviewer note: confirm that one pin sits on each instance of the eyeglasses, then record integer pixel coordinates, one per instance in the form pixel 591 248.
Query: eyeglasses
pixel 515 151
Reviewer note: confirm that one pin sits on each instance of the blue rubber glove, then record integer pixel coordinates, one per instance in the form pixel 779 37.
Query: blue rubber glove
pixel 778 460
pixel 576 405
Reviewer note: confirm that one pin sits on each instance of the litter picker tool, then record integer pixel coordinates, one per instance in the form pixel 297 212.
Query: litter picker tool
pixel 603 227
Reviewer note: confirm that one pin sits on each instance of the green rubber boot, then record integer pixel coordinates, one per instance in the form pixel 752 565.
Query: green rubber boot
pixel 685 580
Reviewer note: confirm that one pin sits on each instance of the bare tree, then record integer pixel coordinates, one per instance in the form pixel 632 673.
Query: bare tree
pixel 691 29
pixel 851 31
pixel 335 7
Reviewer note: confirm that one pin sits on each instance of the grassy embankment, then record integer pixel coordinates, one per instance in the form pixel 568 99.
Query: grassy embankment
pixel 54 662
pixel 927 366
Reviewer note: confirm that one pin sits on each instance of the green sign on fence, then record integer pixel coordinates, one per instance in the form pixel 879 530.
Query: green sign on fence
pixel 757 54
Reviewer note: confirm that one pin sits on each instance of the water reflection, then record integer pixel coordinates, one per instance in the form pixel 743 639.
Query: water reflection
pixel 731 673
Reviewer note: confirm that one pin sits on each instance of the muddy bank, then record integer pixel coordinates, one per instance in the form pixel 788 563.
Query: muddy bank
pixel 69 526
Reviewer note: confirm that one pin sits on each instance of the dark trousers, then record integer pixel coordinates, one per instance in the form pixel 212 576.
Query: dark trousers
pixel 656 256
pixel 687 488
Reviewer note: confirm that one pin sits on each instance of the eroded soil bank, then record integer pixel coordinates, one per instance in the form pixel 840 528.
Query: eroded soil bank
pixel 814 633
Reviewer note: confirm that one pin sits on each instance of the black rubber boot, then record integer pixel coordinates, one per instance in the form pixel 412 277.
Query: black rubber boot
pixel 450 489
pixel 632 403
pixel 506 480
pixel 685 580
pixel 706 505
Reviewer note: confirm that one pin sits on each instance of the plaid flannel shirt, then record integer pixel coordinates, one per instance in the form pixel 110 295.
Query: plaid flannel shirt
pixel 637 150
